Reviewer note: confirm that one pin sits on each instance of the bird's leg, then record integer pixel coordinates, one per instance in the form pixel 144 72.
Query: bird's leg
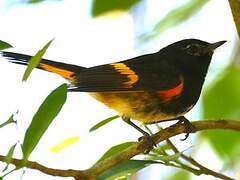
pixel 145 136
pixel 190 128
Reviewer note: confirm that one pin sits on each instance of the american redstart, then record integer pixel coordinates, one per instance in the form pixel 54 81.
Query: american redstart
pixel 150 88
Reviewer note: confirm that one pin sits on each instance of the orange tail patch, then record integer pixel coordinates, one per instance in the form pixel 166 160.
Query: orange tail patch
pixel 67 74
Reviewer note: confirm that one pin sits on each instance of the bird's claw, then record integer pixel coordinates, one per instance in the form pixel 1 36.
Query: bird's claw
pixel 150 143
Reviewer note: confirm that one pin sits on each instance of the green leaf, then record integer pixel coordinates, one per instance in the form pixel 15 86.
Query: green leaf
pixel 165 158
pixel 183 175
pixel 102 6
pixel 4 45
pixel 125 169
pixel 115 149
pixel 221 101
pixel 9 121
pixel 175 17
pixel 103 122
pixel 35 1
pixel 43 118
pixel 35 60
pixel 8 157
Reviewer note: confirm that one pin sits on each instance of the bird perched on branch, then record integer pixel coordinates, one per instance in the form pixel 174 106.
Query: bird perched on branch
pixel 151 88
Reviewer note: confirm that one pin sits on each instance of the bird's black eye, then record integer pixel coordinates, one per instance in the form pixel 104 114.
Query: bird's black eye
pixel 193 49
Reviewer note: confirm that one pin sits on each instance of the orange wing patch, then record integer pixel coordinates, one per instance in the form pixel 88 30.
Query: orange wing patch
pixel 169 94
pixel 62 72
pixel 125 70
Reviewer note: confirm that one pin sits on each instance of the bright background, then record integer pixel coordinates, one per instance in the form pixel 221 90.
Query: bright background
pixel 86 41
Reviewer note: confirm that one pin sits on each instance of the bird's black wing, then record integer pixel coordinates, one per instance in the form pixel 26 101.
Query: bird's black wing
pixel 147 72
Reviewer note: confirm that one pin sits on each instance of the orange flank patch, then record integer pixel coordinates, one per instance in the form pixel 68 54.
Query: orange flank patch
pixel 169 94
pixel 62 72
pixel 125 70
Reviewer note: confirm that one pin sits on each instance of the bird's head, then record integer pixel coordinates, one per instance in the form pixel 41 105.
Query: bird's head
pixel 194 47
pixel 191 54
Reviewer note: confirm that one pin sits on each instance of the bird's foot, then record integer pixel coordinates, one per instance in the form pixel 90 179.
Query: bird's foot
pixel 150 143
pixel 146 137
pixel 190 128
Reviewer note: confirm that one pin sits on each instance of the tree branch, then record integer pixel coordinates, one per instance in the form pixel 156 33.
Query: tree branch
pixel 235 8
pixel 137 148
pixel 44 169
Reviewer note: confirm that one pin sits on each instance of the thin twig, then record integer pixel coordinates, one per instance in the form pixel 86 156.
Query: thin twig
pixel 202 168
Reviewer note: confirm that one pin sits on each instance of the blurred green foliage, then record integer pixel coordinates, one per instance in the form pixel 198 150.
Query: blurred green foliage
pixel 102 6
pixel 222 98
pixel 39 1
pixel 183 175
pixel 175 17
pixel 221 101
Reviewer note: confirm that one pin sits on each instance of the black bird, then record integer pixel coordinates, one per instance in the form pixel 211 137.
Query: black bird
pixel 150 88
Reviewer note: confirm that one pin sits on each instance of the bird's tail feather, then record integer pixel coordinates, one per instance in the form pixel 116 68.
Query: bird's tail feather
pixel 68 71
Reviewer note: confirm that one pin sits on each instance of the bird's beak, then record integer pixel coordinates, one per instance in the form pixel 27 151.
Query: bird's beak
pixel 213 46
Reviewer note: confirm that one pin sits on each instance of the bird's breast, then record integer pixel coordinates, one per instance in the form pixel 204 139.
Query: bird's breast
pixel 144 106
